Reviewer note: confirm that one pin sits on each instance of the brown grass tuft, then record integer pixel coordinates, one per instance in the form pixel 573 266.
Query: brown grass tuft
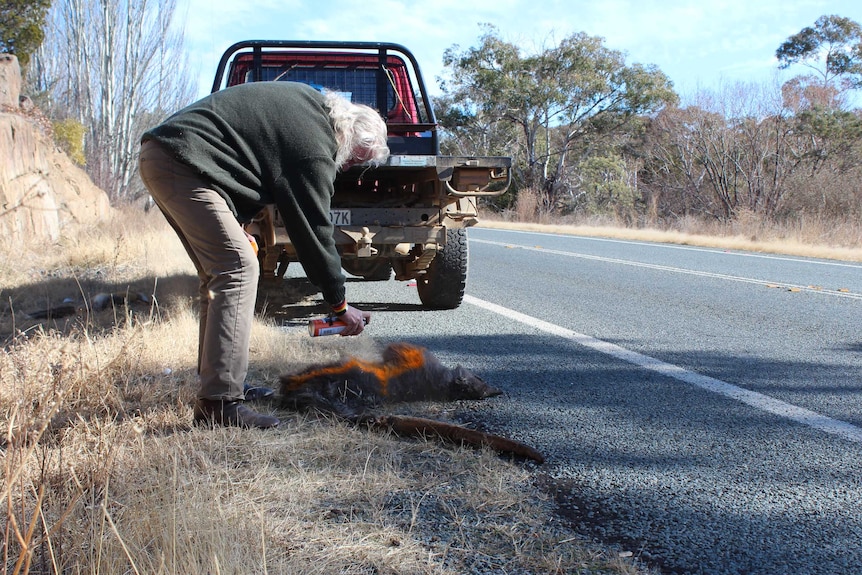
pixel 103 472
pixel 816 239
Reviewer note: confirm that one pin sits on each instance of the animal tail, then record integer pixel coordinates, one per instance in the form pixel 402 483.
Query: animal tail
pixel 420 427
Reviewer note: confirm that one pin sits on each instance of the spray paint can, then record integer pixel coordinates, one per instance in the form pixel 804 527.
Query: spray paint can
pixel 253 241
pixel 326 326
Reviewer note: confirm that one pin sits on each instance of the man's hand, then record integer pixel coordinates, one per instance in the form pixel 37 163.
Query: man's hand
pixel 355 319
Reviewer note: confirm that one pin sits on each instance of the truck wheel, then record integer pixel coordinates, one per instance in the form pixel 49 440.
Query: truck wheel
pixel 443 285
pixel 373 270
pixel 382 272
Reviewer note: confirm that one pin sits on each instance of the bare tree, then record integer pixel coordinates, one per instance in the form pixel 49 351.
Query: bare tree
pixel 743 151
pixel 116 66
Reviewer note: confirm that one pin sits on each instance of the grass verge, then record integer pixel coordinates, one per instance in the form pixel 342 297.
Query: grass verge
pixel 756 237
pixel 103 472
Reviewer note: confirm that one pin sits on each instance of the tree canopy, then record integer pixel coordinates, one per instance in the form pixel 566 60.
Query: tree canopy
pixel 21 27
pixel 832 47
pixel 559 101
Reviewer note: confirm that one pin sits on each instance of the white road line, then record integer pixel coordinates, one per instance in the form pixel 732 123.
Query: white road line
pixel 727 251
pixel 757 400
pixel 672 269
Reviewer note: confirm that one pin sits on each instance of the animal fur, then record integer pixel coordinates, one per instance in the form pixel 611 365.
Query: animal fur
pixel 406 373
pixel 352 389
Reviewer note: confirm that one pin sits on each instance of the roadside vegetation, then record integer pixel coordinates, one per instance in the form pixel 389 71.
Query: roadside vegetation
pixel 594 137
pixel 103 472
pixel 816 240
pixel 591 134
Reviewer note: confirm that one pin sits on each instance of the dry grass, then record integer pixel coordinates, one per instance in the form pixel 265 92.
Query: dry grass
pixel 103 472
pixel 839 241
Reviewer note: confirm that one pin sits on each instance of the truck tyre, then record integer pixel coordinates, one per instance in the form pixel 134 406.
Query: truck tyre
pixel 382 272
pixel 443 285
pixel 372 270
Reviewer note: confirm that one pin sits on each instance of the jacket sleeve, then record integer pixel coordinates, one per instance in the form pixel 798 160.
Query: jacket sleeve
pixel 303 197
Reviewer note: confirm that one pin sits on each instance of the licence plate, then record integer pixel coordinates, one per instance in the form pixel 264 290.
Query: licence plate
pixel 340 217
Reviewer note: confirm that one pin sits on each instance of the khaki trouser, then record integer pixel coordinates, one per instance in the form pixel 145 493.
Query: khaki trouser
pixel 225 262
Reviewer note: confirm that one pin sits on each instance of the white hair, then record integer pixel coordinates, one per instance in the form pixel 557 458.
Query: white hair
pixel 357 127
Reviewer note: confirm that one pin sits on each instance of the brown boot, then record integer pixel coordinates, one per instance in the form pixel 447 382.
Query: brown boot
pixel 231 413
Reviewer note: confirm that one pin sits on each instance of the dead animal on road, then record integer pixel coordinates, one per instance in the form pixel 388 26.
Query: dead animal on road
pixel 353 389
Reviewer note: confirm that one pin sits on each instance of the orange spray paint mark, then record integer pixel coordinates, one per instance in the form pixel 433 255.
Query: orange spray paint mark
pixel 407 358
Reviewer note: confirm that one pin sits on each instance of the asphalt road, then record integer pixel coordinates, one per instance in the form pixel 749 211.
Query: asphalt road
pixel 698 407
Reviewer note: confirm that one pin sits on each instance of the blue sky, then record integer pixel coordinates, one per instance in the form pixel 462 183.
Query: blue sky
pixel 699 45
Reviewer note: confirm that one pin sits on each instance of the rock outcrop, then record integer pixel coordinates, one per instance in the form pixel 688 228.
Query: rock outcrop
pixel 41 189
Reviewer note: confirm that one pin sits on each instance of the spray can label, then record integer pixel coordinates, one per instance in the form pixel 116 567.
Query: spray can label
pixel 325 326
pixel 253 241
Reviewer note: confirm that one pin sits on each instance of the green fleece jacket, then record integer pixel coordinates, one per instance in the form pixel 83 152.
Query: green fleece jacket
pixel 267 143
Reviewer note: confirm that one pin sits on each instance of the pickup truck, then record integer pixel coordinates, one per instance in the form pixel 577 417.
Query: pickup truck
pixel 408 216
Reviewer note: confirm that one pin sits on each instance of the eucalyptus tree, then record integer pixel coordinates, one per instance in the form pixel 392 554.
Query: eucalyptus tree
pixel 565 101
pixel 832 48
pixel 22 27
